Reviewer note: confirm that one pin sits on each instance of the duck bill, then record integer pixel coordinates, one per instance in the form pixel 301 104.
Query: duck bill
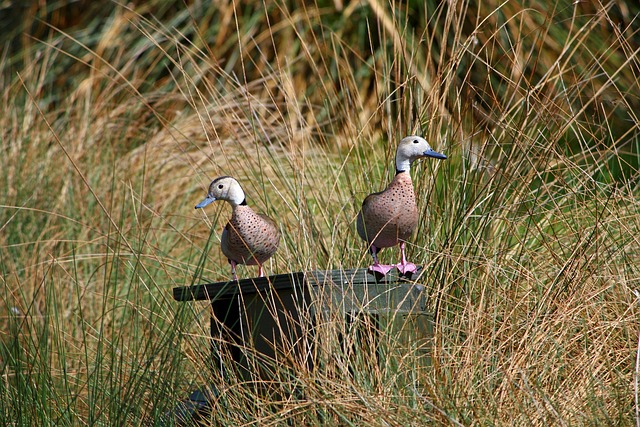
pixel 434 155
pixel 208 200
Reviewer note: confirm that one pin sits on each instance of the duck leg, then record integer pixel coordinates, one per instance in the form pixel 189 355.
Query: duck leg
pixel 405 267
pixel 376 267
pixel 233 269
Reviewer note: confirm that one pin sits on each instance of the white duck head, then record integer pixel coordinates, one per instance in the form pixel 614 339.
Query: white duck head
pixel 412 148
pixel 224 188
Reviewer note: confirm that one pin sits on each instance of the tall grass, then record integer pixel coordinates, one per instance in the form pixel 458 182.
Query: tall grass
pixel 116 119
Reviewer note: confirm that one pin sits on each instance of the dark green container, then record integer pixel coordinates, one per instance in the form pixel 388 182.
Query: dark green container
pixel 298 320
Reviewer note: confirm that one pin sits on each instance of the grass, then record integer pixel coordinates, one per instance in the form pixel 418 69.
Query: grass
pixel 116 119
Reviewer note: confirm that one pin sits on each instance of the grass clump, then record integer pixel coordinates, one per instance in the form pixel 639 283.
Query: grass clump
pixel 117 118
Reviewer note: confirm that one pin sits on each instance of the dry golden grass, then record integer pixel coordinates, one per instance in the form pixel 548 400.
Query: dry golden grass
pixel 115 122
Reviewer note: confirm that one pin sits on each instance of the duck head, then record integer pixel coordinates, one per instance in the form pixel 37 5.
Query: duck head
pixel 224 188
pixel 412 148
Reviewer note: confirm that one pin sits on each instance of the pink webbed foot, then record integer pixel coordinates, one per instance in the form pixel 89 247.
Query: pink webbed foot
pixel 407 268
pixel 376 267
pixel 382 269
pixel 404 266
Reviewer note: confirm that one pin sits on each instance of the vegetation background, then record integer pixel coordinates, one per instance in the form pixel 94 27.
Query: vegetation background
pixel 115 117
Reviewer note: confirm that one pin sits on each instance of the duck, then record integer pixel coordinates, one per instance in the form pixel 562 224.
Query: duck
pixel 248 238
pixel 390 217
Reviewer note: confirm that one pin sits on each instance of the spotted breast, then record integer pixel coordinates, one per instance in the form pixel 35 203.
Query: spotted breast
pixel 249 238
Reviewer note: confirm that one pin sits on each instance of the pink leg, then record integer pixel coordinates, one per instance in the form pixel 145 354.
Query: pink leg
pixel 233 269
pixel 260 271
pixel 377 267
pixel 405 267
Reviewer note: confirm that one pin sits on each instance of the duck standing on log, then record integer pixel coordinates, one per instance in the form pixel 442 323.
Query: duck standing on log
pixel 391 216
pixel 248 238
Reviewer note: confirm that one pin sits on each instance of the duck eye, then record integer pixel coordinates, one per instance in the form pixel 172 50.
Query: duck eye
pixel 220 186
pixel 415 141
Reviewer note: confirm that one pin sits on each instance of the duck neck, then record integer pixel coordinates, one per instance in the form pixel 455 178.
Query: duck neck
pixel 235 204
pixel 236 196
pixel 402 164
